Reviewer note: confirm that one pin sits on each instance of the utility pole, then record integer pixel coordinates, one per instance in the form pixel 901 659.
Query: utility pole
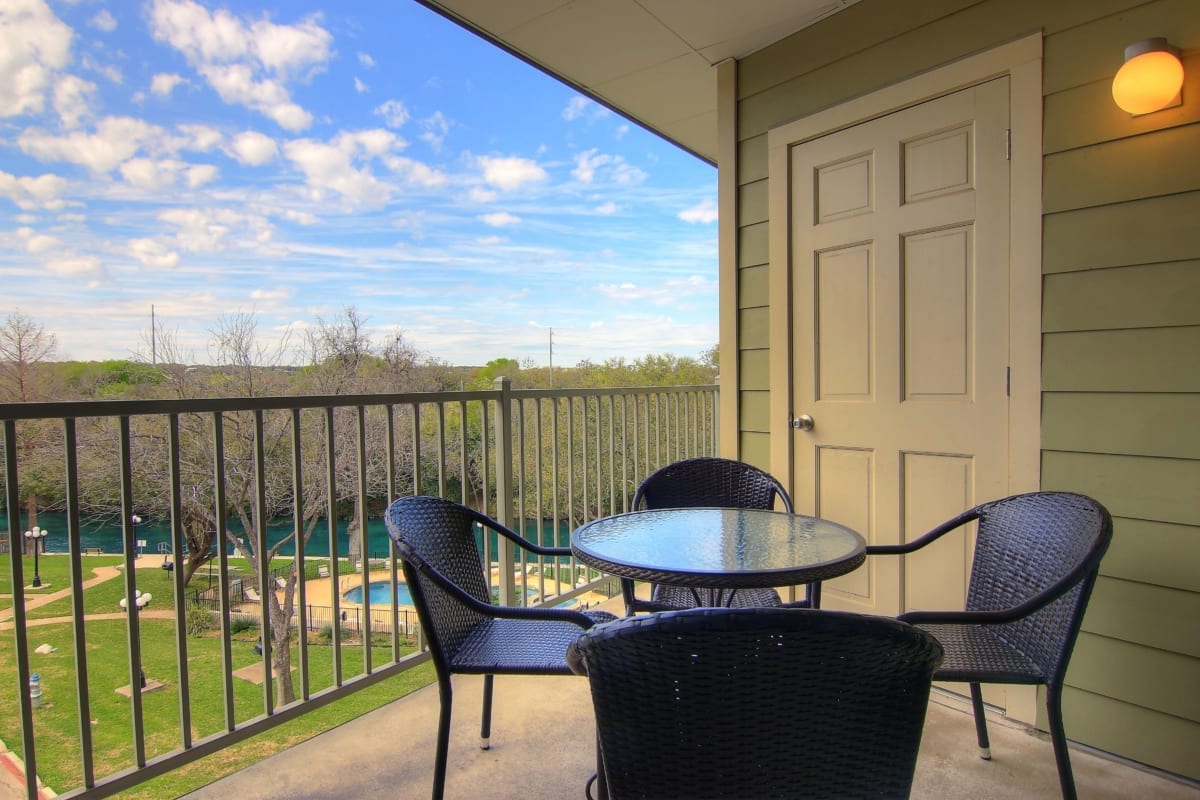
pixel 153 339
pixel 551 358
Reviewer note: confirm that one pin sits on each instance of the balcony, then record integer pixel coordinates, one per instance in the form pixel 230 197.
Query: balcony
pixel 275 499
pixel 561 457
pixel 543 749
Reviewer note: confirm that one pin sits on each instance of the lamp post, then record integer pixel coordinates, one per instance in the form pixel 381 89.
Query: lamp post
pixel 140 601
pixel 36 536
pixel 136 520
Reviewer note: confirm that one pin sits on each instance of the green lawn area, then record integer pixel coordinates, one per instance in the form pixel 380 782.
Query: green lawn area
pixel 56 722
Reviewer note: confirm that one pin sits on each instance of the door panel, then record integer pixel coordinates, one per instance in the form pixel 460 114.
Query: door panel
pixel 899 237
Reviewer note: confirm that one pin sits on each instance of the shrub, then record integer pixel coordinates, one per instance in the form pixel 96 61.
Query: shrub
pixel 199 619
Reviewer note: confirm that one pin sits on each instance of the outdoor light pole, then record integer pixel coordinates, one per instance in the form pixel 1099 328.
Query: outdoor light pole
pixel 140 601
pixel 136 520
pixel 36 536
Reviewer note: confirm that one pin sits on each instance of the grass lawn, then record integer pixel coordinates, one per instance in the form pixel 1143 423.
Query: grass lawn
pixel 56 722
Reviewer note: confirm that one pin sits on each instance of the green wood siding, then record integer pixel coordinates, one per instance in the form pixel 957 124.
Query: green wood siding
pixel 1107 666
pixel 1148 231
pixel 1121 312
pixel 1154 552
pixel 1133 360
pixel 1151 296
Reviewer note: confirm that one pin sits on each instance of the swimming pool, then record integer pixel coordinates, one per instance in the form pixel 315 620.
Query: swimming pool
pixel 380 594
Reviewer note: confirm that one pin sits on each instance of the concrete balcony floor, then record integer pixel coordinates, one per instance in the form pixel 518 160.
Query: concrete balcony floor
pixel 543 748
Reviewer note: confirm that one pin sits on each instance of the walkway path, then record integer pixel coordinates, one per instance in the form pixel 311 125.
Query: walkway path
pixel 12 767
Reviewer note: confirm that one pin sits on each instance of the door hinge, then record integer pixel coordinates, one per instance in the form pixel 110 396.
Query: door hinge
pixel 1008 144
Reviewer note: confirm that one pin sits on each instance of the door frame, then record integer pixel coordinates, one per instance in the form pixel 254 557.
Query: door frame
pixel 1021 61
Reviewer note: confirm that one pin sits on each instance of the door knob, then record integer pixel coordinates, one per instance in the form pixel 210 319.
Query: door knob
pixel 803 422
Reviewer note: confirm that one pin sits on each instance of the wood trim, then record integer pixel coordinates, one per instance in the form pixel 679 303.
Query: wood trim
pixel 1021 60
pixel 729 344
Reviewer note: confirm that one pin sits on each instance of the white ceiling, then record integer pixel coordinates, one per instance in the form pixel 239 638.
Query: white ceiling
pixel 649 59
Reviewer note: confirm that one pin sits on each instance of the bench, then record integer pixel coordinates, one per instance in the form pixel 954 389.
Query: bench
pixel 93 551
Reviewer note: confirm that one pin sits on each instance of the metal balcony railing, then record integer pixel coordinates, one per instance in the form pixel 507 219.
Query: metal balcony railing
pixel 268 479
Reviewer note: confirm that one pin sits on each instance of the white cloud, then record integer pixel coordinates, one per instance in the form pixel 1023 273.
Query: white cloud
pixel 667 293
pixel 607 208
pixel 116 139
pixel 253 148
pixel 591 162
pixel 201 230
pixel 34 45
pixel 152 254
pixel 200 174
pixel 359 86
pixel 331 166
pixel 415 172
pixel 74 265
pixel 575 108
pixel 704 212
pixel 478 194
pixel 110 71
pixel 510 173
pixel 247 62
pixel 153 175
pixel 164 83
pixel 41 243
pixel 301 217
pixel 393 112
pixel 104 21
pixel 587 163
pixel 625 174
pixel 73 99
pixel 488 241
pixel 201 138
pixel 30 193
pixel 500 219
pixel 435 128
pixel 580 107
pixel 366 60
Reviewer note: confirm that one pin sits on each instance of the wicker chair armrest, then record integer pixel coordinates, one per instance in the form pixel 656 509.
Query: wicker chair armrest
pixel 924 539
pixel 500 612
pixel 517 538
pixel 1030 606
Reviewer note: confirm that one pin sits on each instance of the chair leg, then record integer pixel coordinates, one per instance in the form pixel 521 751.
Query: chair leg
pixel 443 737
pixel 985 750
pixel 814 595
pixel 627 593
pixel 1058 736
pixel 485 730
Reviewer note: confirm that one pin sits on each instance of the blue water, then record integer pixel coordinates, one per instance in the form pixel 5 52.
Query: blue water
pixel 108 536
pixel 380 594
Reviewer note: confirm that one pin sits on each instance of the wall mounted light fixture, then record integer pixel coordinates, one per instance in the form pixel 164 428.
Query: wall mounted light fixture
pixel 1150 79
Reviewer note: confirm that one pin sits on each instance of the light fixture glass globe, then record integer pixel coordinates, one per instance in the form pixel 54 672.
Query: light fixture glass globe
pixel 1148 81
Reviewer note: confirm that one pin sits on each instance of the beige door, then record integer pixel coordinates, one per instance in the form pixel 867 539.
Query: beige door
pixel 900 280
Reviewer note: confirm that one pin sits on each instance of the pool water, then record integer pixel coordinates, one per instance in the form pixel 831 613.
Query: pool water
pixel 380 594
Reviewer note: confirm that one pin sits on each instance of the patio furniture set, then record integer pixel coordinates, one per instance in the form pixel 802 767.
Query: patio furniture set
pixel 704 693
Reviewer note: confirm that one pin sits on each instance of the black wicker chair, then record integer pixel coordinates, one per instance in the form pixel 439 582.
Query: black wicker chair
pixel 706 483
pixel 1036 559
pixel 465 632
pixel 706 703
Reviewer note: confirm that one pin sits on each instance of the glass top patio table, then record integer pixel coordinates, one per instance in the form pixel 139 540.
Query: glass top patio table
pixel 723 548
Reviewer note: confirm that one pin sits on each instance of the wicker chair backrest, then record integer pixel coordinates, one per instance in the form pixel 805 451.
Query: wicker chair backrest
pixel 441 534
pixel 1024 546
pixel 709 703
pixel 710 482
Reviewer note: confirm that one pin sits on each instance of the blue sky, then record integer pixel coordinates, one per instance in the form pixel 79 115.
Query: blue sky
pixel 289 160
